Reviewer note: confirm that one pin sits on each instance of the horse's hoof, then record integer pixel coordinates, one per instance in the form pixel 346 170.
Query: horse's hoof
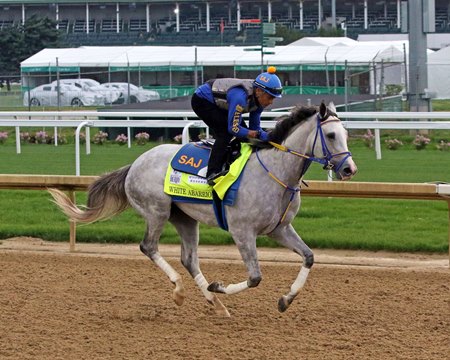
pixel 178 298
pixel 178 293
pixel 216 287
pixel 283 304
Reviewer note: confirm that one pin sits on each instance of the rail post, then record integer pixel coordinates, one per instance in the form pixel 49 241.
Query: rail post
pixel 18 148
pixel 73 225
pixel 448 203
pixel 185 134
pixel 77 145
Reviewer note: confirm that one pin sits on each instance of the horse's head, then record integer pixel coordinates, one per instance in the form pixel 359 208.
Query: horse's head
pixel 330 143
pixel 318 136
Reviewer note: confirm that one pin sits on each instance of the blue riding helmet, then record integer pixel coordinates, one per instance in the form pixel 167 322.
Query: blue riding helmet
pixel 269 82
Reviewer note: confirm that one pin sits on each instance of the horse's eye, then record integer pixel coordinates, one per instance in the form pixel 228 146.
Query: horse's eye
pixel 331 136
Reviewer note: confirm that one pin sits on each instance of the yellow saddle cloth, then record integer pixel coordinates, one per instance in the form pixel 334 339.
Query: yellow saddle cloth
pixel 183 185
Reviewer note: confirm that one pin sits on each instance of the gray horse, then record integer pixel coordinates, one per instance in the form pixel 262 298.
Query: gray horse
pixel 267 202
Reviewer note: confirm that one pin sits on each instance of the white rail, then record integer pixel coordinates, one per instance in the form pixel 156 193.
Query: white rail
pixel 187 119
pixel 190 114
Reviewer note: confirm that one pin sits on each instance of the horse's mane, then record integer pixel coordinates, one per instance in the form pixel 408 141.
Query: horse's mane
pixel 287 122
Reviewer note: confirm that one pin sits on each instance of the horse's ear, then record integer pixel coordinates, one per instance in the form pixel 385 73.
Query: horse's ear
pixel 322 110
pixel 332 107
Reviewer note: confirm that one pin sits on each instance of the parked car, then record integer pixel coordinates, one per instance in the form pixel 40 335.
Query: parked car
pixel 137 94
pixel 111 96
pixel 47 95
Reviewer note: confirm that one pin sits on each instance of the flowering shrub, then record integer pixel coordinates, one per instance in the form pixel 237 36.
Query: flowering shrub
pixel 61 139
pixel 121 139
pixel 368 139
pixel 82 137
pixel 393 144
pixel 100 138
pixel 41 137
pixel 142 138
pixel 420 142
pixel 178 139
pixel 3 137
pixel 443 145
pixel 25 137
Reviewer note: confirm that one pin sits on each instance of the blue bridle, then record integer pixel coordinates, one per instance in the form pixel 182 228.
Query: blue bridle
pixel 325 160
pixel 327 155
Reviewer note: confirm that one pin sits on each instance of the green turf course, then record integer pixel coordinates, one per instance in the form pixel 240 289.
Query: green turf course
pixel 372 224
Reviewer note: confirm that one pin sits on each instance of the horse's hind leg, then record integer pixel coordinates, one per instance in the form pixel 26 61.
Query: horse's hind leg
pixel 149 246
pixel 187 228
pixel 287 237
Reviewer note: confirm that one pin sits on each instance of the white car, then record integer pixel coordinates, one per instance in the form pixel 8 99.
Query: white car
pixel 110 95
pixel 137 94
pixel 69 95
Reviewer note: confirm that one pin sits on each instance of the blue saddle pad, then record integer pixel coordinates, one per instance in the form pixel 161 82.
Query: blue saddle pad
pixel 192 159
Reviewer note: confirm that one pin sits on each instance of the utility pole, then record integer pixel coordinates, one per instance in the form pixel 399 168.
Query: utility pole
pixel 420 22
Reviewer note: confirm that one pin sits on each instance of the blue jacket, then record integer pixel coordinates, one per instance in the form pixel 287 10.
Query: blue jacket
pixel 238 100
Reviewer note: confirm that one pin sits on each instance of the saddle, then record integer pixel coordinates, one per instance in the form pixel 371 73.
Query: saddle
pixel 186 177
pixel 193 159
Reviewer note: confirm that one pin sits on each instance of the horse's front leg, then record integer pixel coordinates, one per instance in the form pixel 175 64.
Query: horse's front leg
pixel 246 244
pixel 286 236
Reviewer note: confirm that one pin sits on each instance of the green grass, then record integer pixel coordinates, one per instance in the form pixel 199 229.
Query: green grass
pixel 371 224
pixel 440 105
pixel 403 165
pixel 374 224
pixel 60 160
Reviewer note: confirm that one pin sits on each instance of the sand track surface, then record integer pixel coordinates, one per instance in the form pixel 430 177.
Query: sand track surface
pixel 110 302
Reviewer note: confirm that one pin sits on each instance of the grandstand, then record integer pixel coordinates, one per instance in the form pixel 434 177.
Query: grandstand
pixel 138 22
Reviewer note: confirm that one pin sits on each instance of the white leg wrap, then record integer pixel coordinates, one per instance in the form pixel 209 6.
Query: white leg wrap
pixel 203 285
pixel 235 288
pixel 169 270
pixel 300 281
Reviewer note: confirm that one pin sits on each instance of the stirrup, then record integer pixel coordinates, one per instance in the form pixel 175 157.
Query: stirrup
pixel 211 179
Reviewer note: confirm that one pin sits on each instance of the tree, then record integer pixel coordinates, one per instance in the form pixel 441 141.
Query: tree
pixel 19 43
pixel 10 56
pixel 38 34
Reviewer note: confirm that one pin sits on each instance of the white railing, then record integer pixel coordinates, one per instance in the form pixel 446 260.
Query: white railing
pixel 187 119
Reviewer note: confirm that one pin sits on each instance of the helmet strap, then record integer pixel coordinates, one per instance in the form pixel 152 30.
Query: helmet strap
pixel 256 94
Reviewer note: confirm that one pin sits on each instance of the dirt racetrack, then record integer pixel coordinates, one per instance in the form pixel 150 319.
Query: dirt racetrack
pixel 112 303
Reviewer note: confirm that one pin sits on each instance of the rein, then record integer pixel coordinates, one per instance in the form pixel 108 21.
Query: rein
pixel 325 161
pixel 327 155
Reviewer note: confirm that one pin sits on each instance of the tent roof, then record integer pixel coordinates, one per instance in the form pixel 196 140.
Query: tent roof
pixel 323 41
pixel 104 56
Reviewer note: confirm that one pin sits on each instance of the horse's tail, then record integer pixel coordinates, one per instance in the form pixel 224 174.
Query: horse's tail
pixel 106 198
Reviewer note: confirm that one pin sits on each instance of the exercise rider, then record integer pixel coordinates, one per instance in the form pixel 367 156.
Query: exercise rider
pixel 221 102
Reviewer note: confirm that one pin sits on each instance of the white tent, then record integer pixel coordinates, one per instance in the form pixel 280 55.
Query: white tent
pixel 324 41
pixel 304 51
pixel 439 73
pixel 308 54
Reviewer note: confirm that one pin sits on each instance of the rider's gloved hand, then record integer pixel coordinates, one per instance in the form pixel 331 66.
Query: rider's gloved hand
pixel 263 135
